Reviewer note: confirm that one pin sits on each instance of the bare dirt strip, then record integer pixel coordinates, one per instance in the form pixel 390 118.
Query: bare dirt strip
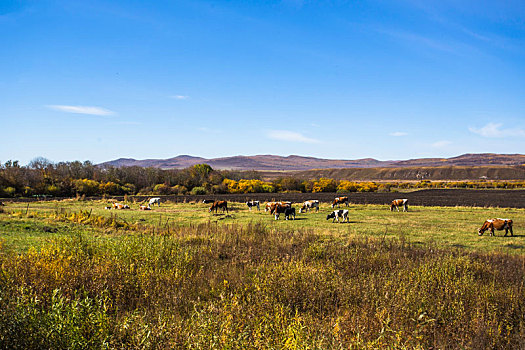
pixel 437 197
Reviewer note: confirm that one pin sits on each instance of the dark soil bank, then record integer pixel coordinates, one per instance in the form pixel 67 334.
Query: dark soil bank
pixel 445 198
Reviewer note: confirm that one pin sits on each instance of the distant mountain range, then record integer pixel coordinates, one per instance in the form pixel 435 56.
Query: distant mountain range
pixel 297 163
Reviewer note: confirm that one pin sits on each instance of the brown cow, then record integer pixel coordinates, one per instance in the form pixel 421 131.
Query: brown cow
pixel 396 203
pixel 288 211
pixel 269 205
pixel 145 207
pixel 275 205
pixel 498 224
pixel 219 204
pixel 340 200
pixel 120 206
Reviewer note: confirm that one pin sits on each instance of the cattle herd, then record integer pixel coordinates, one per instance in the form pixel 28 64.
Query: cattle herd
pixel 288 211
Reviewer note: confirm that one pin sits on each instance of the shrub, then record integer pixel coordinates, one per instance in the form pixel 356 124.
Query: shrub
pixel 347 186
pixel 179 189
pixel 162 189
pixel 86 187
pixel 324 185
pixel 198 190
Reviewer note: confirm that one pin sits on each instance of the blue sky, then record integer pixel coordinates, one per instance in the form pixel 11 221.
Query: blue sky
pixel 99 80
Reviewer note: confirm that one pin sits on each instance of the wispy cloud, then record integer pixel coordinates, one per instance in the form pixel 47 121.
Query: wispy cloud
pixel 90 110
pixel 441 144
pixel 291 136
pixel 420 40
pixel 398 133
pixel 494 130
pixel 208 130
pixel 180 97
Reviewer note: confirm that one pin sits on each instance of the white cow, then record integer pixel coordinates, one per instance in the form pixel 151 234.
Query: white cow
pixel 152 201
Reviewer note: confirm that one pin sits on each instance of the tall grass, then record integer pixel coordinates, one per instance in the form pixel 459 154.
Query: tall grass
pixel 245 286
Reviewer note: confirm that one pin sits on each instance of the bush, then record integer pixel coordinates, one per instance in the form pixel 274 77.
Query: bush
pixel 86 187
pixel 324 185
pixel 162 189
pixel 198 190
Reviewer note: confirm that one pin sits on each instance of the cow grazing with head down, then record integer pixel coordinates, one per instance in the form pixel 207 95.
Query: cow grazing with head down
pixel 120 206
pixel 154 201
pixel 313 203
pixel 288 211
pixel 251 204
pixel 337 214
pixel 270 205
pixel 498 224
pixel 219 204
pixel 396 203
pixel 339 200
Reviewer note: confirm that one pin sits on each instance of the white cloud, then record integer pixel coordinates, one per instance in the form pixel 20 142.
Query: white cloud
pixel 82 110
pixel 398 133
pixel 441 144
pixel 291 136
pixel 494 130
pixel 208 130
pixel 180 97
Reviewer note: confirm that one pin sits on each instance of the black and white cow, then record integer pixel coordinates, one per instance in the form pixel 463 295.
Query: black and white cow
pixel 251 204
pixel 154 201
pixel 207 201
pixel 336 214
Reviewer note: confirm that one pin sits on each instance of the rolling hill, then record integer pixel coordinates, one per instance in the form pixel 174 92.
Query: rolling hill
pixel 300 163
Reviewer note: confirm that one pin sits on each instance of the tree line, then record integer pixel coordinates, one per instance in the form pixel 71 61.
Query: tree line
pixel 67 179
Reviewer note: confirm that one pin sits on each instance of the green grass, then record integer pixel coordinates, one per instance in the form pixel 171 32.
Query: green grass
pixel 442 226
pixel 180 277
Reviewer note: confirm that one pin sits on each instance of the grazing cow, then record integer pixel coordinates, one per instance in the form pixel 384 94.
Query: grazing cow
pixel 498 224
pixel 274 206
pixel 288 212
pixel 219 204
pixel 208 201
pixel 154 201
pixel 251 204
pixel 336 214
pixel 120 206
pixel 145 207
pixel 313 203
pixel 340 200
pixel 269 205
pixel 396 203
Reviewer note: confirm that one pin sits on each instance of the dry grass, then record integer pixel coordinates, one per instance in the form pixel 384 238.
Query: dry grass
pixel 252 284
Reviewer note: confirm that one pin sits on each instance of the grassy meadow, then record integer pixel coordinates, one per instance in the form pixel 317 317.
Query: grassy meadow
pixel 74 275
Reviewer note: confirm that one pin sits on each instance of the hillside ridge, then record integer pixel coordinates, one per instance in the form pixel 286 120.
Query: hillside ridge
pixel 270 162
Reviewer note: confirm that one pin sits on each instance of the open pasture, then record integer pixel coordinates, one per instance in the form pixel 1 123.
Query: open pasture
pixel 440 226
pixel 75 275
